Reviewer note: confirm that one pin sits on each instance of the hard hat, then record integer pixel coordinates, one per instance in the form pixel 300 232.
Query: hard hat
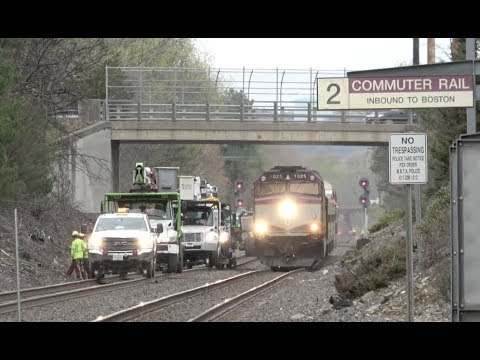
pixel 148 170
pixel 81 235
pixel 75 233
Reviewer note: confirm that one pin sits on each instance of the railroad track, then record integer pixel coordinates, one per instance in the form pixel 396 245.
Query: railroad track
pixel 223 308
pixel 154 305
pixel 43 290
pixel 61 292
pixel 145 308
pixel 231 304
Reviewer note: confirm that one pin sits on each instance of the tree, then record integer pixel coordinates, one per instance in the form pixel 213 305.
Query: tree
pixel 24 152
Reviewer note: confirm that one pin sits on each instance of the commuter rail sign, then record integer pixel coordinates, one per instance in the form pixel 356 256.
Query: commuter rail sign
pixel 408 158
pixel 395 92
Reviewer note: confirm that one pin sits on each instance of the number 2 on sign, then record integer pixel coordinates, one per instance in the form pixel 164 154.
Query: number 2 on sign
pixel 332 94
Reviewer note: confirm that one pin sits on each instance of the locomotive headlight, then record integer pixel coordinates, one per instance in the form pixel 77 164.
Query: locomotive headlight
pixel 95 242
pixel 314 227
pixel 260 227
pixel 287 209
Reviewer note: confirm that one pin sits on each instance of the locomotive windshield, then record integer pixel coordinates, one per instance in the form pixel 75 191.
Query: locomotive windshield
pixel 266 189
pixel 305 188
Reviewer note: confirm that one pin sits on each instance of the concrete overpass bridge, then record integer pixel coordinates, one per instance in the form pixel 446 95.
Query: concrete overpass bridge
pixel 151 105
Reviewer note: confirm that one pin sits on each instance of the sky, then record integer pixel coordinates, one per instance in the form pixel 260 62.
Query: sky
pixel 321 53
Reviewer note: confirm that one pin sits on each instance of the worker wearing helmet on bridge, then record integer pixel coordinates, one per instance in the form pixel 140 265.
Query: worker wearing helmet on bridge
pixel 85 263
pixel 76 251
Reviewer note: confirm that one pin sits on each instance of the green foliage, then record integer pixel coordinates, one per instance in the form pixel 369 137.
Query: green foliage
pixel 435 229
pixel 386 219
pixel 24 152
pixel 374 271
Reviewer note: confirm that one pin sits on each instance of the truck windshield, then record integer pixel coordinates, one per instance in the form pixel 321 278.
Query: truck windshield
pixel 198 217
pixel 154 210
pixel 121 223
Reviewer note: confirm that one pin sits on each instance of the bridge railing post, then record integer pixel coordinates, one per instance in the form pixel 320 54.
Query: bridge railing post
pixel 139 111
pixel 242 110
pixel 275 111
pixel 208 111
pixel 174 111
pixel 309 112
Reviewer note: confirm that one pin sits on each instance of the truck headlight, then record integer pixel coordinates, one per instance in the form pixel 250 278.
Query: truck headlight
pixel 223 237
pixel 261 227
pixel 95 242
pixel 314 227
pixel 145 242
pixel 211 236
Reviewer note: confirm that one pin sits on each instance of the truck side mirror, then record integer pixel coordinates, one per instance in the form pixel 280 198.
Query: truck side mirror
pixel 159 228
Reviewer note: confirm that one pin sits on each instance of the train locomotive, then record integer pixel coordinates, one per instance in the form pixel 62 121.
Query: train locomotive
pixel 295 216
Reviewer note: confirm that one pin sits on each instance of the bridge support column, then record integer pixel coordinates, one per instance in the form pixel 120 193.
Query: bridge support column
pixel 115 148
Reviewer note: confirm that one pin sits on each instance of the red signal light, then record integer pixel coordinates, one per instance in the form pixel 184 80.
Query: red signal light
pixel 363 183
pixel 364 200
pixel 239 202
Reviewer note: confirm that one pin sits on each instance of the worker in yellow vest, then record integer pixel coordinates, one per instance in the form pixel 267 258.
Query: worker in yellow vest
pixel 76 251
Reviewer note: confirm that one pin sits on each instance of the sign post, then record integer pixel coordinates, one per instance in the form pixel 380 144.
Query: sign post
pixel 408 165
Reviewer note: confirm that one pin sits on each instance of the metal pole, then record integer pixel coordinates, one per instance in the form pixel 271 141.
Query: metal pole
pixel 18 268
pixel 409 254
pixel 106 92
pixel 243 81
pixel 276 88
pixel 365 229
pixel 430 51
pixel 311 84
pixel 471 112
pixel 416 51
pixel 418 189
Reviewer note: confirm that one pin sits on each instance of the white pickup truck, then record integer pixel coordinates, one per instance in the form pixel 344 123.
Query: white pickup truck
pixel 123 242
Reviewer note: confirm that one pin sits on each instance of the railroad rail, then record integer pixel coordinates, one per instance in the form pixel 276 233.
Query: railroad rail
pixel 154 305
pixel 228 305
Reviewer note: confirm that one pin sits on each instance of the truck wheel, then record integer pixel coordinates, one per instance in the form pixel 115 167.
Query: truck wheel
pixel 151 268
pixel 91 269
pixel 180 264
pixel 172 263
pixel 209 261
pixel 232 263
pixel 215 256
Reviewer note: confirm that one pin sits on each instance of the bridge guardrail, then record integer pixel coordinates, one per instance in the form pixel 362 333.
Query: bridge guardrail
pixel 261 111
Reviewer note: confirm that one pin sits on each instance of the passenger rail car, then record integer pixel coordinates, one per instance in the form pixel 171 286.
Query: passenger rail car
pixel 295 215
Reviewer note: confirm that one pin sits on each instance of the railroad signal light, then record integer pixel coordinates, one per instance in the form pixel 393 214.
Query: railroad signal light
pixel 364 200
pixel 239 185
pixel 239 202
pixel 363 183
